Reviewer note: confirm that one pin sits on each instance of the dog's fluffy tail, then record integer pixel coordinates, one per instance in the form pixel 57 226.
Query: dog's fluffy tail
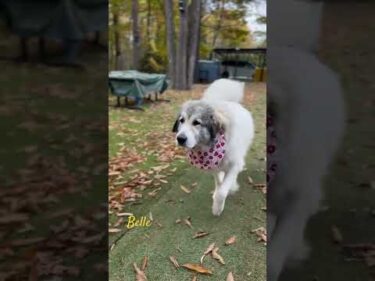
pixel 226 90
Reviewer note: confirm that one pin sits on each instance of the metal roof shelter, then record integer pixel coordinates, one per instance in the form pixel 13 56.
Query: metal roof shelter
pixel 256 56
pixel 238 58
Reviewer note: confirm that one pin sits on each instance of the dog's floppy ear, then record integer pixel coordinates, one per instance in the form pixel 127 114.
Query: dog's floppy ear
pixel 176 124
pixel 216 124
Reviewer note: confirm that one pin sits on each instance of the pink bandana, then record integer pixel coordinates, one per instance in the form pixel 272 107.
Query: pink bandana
pixel 208 158
pixel 271 149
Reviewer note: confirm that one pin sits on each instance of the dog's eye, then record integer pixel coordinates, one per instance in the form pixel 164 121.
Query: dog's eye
pixel 196 123
pixel 182 120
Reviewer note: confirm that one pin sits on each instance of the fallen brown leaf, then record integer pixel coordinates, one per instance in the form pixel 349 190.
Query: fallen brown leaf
pixel 188 223
pixel 185 189
pixel 197 268
pixel 154 192
pixel 200 234
pixel 124 214
pixel 230 277
pixel 336 234
pixel 231 240
pixel 210 248
pixel 140 275
pixel 250 180
pixel 174 261
pixel 216 255
pixel 118 222
pixel 208 251
pixel 261 232
pixel 144 263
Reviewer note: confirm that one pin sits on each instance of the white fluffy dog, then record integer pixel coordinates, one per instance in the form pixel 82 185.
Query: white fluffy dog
pixel 306 105
pixel 309 122
pixel 217 132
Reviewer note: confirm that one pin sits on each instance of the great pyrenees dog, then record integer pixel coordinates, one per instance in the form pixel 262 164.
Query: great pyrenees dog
pixel 216 132
pixel 308 121
pixel 307 112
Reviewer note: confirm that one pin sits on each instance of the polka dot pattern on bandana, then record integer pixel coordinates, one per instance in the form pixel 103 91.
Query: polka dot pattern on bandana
pixel 210 158
pixel 271 149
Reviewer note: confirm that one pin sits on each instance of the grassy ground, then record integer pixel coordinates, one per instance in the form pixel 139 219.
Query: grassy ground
pixel 147 135
pixel 50 129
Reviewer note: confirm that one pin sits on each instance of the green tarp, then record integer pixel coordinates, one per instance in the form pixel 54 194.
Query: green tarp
pixel 136 84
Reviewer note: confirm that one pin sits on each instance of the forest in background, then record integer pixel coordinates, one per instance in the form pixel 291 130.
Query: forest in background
pixel 168 36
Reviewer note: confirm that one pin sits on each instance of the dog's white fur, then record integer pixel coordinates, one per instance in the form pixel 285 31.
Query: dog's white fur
pixel 224 96
pixel 309 126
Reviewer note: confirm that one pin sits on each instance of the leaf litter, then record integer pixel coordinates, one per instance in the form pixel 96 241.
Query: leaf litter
pixel 174 261
pixel 197 268
pixel 261 232
pixel 139 274
pixel 231 240
pixel 200 234
pixel 230 277
pixel 217 256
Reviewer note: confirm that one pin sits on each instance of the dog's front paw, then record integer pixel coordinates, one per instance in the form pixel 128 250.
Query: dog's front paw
pixel 217 209
pixel 217 206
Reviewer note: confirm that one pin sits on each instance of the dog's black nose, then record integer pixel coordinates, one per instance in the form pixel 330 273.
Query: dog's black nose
pixel 181 139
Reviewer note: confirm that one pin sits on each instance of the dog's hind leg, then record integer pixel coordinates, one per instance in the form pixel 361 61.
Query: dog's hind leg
pixel 234 188
pixel 221 192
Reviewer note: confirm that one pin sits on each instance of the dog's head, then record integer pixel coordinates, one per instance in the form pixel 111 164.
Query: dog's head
pixel 197 124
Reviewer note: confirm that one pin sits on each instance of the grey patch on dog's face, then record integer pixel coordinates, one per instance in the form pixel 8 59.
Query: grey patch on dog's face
pixel 197 124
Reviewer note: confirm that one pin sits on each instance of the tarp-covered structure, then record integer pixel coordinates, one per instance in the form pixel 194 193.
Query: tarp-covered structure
pixel 135 84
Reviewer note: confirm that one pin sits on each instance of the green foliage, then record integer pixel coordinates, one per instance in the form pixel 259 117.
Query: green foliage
pixel 223 19
pixel 153 60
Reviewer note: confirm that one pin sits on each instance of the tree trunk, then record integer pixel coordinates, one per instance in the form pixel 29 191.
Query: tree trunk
pixel 168 9
pixel 181 78
pixel 194 34
pixel 148 22
pixel 118 51
pixel 136 35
